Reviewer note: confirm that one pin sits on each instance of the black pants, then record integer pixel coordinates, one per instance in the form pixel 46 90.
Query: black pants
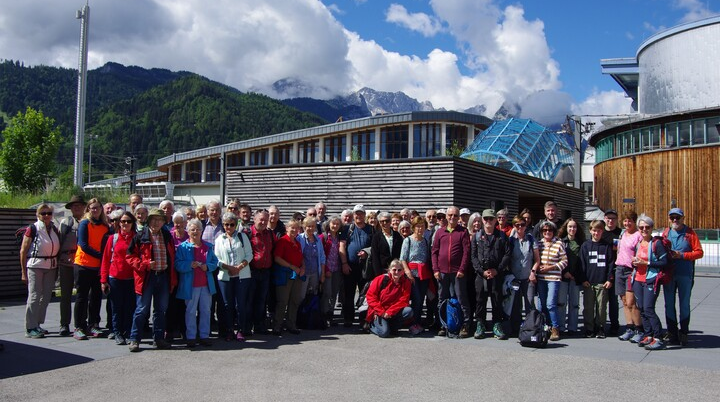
pixel 351 283
pixel 491 288
pixel 89 298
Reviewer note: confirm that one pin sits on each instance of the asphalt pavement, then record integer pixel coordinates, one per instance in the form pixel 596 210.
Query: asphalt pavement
pixel 342 363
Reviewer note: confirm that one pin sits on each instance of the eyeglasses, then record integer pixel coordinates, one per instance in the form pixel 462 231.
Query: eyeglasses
pixel 488 219
pixel 229 225
pixel 520 225
pixel 46 213
pixel 501 217
pixel 450 216
pixel 125 221
pixel 233 208
pixel 675 217
pixel 384 221
pixel 644 227
pixel 431 216
pixel 311 214
pixel 548 230
pixel 112 220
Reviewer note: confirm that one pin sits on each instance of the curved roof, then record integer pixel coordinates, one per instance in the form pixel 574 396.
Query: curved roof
pixel 523 146
pixel 676 30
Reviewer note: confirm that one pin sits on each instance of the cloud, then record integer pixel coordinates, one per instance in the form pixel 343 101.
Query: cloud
pixel 419 22
pixel 695 10
pixel 603 105
pixel 335 9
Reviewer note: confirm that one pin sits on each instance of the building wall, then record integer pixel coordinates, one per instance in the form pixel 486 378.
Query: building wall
pixel 419 184
pixel 688 178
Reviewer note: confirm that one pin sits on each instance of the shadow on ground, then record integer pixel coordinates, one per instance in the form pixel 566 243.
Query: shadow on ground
pixel 19 359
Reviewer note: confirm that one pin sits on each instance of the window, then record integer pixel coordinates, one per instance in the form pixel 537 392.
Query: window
pixel 281 154
pixel 193 171
pixel 455 136
pixel 671 135
pixel 259 157
pixel 654 137
pixel 698 132
pixel 307 151
pixel 335 149
pixel 426 140
pixel 235 160
pixel 713 126
pixel 684 134
pixel 212 169
pixel 635 141
pixel 176 172
pixel 363 145
pixel 394 142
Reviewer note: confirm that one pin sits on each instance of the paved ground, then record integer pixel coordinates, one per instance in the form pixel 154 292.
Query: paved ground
pixel 341 363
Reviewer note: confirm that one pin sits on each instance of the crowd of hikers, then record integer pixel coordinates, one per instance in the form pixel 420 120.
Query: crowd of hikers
pixel 229 272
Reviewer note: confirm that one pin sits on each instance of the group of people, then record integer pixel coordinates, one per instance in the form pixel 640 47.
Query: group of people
pixel 249 272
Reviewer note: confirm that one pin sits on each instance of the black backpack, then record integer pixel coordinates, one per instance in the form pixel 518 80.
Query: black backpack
pixel 309 315
pixel 533 332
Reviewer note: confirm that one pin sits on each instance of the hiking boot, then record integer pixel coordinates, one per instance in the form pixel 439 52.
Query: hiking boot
pixel 43 330
pixel 79 334
pixel 205 342
pixel 191 343
pixel 442 331
pixel 95 332
pixel 134 346
pixel 240 337
pixel 656 344
pixel 161 344
pixel 464 331
pixel 589 334
pixel 629 333
pixel 479 331
pixel 554 334
pixel 637 337
pixel 600 334
pixel 34 334
pixel 498 332
pixel 683 338
pixel 64 331
pixel 645 341
pixel 119 340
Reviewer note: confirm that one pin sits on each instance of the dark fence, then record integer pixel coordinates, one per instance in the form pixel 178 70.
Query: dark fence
pixel 10 220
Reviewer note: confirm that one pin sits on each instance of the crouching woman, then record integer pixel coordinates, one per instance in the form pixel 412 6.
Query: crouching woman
pixel 388 301
pixel 195 263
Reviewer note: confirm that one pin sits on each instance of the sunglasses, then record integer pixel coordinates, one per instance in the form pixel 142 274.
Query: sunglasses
pixel 311 214
pixel 46 213
pixel 548 230
pixel 125 221
pixel 644 227
pixel 520 225
pixel 112 220
pixel 487 219
pixel 384 221
pixel 431 216
pixel 675 217
pixel 229 225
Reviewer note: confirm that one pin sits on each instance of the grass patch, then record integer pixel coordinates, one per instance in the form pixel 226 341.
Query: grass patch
pixel 26 200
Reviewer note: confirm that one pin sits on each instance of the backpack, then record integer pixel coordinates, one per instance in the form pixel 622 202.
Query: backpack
pixel 309 315
pixel 112 249
pixel 665 272
pixel 533 332
pixel 361 303
pixel 452 320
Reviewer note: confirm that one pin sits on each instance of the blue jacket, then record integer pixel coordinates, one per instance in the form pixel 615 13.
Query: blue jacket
pixel 184 257
pixel 302 238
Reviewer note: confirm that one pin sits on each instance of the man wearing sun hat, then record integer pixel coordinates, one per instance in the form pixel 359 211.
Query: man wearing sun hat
pixel 66 269
pixel 686 249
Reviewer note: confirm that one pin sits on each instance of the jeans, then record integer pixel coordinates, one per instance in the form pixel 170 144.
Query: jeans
pixel 645 299
pixel 198 306
pixel 157 290
pixel 682 286
pixel 40 284
pixel 568 306
pixel 450 285
pixel 594 307
pixel 88 299
pixel 548 296
pixel 122 296
pixel 66 273
pixel 236 297
pixel 384 328
pixel 259 293
pixel 525 297
pixel 419 290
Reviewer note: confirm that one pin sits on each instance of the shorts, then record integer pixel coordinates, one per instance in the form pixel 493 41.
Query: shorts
pixel 621 280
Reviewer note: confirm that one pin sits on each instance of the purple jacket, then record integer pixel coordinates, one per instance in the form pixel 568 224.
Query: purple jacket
pixel 451 251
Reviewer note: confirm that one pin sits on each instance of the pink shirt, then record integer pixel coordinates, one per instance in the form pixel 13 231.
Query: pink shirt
pixel 626 248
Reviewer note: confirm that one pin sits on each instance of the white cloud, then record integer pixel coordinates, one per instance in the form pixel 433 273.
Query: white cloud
pixel 695 10
pixel 602 106
pixel 420 22
pixel 335 9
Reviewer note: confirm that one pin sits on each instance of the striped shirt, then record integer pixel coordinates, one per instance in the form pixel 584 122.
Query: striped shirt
pixel 552 253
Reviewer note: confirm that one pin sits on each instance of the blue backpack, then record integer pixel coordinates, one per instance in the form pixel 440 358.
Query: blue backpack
pixel 452 319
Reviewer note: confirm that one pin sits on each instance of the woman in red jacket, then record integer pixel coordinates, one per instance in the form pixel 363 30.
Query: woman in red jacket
pixel 116 277
pixel 388 301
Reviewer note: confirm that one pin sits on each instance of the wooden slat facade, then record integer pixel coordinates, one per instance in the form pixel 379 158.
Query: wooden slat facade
pixel 10 220
pixel 390 185
pixel 688 176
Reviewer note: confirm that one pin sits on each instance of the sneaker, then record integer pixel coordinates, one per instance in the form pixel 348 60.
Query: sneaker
pixel 64 331
pixel 637 337
pixel 205 342
pixel 645 341
pixel 134 346
pixel 416 329
pixel 442 331
pixel 119 340
pixel 554 334
pixel 656 344
pixel 498 332
pixel 80 334
pixel 464 331
pixel 34 333
pixel 111 335
pixel 191 343
pixel 479 331
pixel 161 344
pixel 683 338
pixel 600 334
pixel 589 334
pixel 629 333
pixel 43 330
pixel 95 332
pixel 240 337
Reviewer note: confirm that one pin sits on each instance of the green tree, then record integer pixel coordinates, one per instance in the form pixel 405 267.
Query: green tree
pixel 29 150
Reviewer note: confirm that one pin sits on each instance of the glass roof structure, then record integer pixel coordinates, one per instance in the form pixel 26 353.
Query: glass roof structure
pixel 524 146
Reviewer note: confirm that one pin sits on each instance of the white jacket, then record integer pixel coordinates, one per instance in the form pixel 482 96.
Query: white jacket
pixel 43 251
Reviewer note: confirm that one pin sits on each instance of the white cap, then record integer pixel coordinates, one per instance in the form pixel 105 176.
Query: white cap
pixel 464 211
pixel 359 208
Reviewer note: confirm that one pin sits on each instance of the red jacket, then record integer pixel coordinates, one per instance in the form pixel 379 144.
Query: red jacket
pixel 451 251
pixel 119 268
pixel 391 299
pixel 140 255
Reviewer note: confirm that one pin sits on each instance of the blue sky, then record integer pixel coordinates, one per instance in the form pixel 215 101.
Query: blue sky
pixel 538 59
